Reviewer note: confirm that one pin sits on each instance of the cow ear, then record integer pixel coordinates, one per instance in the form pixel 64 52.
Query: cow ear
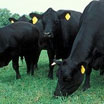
pixel 12 20
pixel 65 15
pixel 35 17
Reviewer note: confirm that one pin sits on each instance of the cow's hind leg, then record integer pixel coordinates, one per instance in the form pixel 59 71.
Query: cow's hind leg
pixel 28 63
pixel 86 84
pixel 102 71
pixel 37 54
pixel 33 67
pixel 16 67
pixel 34 60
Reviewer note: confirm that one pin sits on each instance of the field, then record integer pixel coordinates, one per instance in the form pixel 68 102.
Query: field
pixel 38 89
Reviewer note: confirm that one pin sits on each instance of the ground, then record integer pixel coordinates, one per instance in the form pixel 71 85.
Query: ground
pixel 38 89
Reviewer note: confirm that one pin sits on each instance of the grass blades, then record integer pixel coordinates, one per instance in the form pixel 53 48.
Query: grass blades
pixel 38 89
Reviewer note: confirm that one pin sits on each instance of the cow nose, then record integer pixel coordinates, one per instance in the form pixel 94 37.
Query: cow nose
pixel 47 34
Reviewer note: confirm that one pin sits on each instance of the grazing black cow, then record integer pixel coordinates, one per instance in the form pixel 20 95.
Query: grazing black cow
pixel 88 41
pixel 60 29
pixel 19 39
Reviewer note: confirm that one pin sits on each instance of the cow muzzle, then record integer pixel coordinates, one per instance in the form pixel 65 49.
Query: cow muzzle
pixel 48 35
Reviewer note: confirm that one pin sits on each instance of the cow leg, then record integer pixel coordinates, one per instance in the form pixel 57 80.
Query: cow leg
pixel 31 64
pixel 51 57
pixel 28 63
pixel 101 71
pixel 34 60
pixel 87 79
pixel 33 67
pixel 16 67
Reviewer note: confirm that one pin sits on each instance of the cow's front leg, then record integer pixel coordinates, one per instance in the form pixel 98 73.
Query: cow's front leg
pixel 16 67
pixel 51 57
pixel 86 84
pixel 34 57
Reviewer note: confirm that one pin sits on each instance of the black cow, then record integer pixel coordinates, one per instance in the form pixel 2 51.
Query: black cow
pixel 19 39
pixel 22 18
pixel 25 19
pixel 43 42
pixel 98 61
pixel 88 41
pixel 59 29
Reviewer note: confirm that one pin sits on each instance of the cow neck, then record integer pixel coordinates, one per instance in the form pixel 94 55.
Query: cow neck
pixel 58 39
pixel 82 46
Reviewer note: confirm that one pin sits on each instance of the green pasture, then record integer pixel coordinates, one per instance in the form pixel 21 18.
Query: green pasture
pixel 38 89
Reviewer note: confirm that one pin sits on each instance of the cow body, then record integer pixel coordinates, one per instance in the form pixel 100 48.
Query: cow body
pixel 39 27
pixel 82 58
pixel 19 39
pixel 59 32
pixel 44 44
pixel 63 40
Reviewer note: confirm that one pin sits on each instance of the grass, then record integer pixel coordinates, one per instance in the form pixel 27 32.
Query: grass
pixel 38 89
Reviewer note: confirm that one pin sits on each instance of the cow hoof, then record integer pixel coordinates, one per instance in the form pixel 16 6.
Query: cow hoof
pixel 50 76
pixel 37 68
pixel 101 73
pixel 28 73
pixel 32 74
pixel 18 77
pixel 55 97
pixel 86 87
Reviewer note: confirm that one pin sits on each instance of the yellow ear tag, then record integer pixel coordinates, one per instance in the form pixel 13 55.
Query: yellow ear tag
pixel 34 20
pixel 67 16
pixel 82 69
pixel 12 21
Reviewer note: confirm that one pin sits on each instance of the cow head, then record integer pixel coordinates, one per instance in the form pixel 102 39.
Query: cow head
pixel 12 20
pixel 22 18
pixel 4 61
pixel 51 21
pixel 70 76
